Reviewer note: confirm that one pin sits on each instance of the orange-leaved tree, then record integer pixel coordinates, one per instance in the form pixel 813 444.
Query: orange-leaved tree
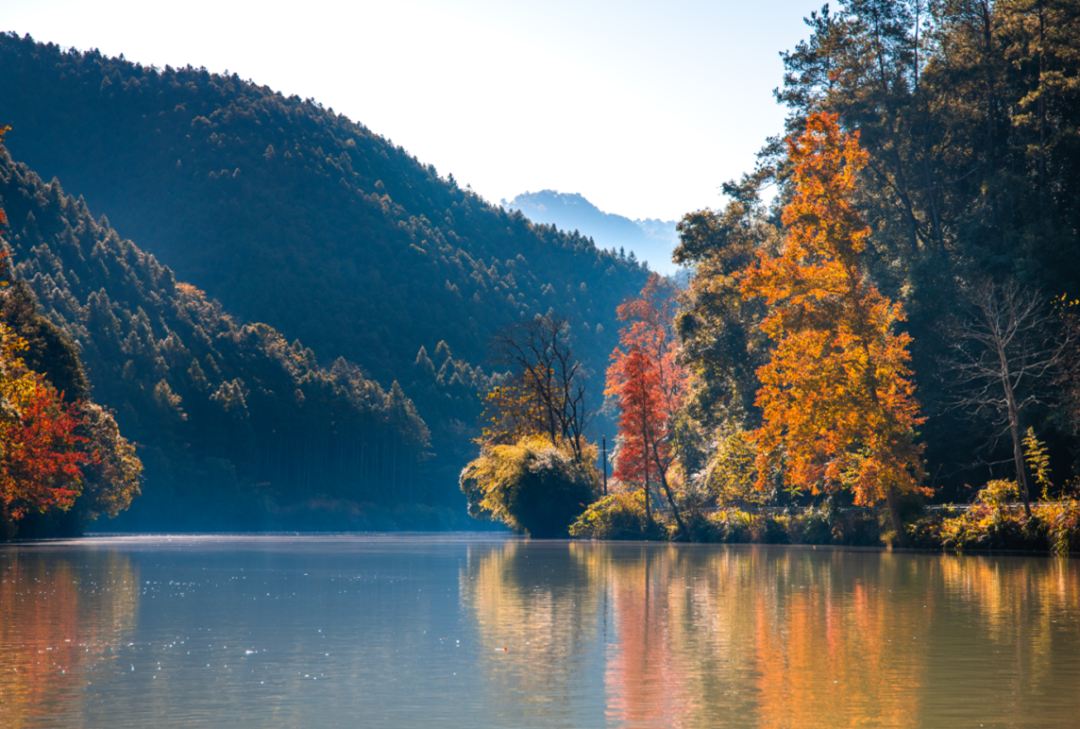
pixel 648 386
pixel 837 397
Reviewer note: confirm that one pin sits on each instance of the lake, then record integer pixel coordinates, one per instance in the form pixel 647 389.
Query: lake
pixel 476 631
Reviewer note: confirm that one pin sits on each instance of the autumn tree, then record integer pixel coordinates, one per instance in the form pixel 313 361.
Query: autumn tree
pixel 648 386
pixel 40 453
pixel 111 478
pixel 837 397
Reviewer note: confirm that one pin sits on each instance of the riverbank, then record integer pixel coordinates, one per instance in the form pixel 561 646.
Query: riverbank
pixel 992 523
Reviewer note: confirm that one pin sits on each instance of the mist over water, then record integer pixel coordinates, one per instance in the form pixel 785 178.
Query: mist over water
pixel 411 631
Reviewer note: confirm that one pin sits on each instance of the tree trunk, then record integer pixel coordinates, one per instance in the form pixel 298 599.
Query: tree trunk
pixel 1018 456
pixel 648 514
pixel 894 515
pixel 1014 429
pixel 667 492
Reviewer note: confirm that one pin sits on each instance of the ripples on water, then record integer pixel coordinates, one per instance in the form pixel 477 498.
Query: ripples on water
pixel 459 632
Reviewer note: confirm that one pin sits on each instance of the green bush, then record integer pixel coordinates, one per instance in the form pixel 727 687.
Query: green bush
pixel 812 526
pixel 618 516
pixel 531 486
pixel 990 523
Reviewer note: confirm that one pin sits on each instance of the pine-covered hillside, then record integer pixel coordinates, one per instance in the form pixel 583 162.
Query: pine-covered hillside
pixel 289 213
pixel 237 428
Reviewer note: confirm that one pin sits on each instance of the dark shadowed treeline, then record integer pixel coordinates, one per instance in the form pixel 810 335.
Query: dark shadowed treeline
pixel 234 424
pixel 289 213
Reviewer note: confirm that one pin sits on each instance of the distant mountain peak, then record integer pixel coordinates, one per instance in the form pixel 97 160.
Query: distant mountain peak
pixel 650 240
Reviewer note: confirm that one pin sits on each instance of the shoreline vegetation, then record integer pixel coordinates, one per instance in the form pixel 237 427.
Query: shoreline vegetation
pixel 987 525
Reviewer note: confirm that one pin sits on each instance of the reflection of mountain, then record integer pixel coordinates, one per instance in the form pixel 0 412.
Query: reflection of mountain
pixel 650 240
pixel 57 619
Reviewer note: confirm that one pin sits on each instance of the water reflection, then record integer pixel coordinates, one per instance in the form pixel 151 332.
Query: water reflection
pixel 458 633
pixel 697 637
pixel 538 611
pixel 58 619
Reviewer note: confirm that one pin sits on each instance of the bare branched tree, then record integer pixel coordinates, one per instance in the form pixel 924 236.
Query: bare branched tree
pixel 1006 356
pixel 538 352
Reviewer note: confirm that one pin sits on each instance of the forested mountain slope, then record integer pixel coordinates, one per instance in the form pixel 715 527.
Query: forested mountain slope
pixel 291 214
pixel 236 427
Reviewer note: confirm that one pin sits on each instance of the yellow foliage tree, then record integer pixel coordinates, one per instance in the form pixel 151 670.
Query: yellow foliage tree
pixel 837 397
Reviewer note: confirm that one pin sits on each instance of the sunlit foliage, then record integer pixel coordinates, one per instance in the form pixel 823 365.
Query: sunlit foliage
pixel 531 486
pixel 837 396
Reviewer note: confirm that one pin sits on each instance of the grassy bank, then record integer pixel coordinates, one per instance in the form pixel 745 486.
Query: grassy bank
pixel 993 522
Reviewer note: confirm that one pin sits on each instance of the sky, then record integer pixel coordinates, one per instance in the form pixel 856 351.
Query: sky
pixel 645 108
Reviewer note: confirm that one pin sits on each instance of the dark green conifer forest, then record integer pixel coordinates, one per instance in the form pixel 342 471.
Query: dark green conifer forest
pixel 233 423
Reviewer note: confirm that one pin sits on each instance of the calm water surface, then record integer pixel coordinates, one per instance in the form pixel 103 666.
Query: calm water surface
pixel 472 632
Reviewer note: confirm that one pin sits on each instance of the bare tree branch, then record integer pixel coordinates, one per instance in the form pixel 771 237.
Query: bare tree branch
pixel 1007 354
pixel 539 353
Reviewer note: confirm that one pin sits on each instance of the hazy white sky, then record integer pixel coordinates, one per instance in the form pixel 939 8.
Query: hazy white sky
pixel 645 108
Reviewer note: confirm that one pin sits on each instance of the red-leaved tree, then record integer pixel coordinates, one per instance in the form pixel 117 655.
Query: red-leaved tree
pixel 648 386
pixel 42 458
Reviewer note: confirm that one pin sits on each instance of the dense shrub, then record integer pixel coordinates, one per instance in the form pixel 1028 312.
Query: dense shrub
pixel 812 526
pixel 995 521
pixel 531 486
pixel 618 516
pixel 738 526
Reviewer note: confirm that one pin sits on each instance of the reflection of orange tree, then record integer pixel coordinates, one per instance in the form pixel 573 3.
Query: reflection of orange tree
pixel 55 621
pixel 543 608
pixel 829 650
pixel 695 625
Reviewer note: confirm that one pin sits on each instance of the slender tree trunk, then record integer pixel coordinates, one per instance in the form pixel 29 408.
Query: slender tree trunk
pixel 988 46
pixel 1042 102
pixel 1014 429
pixel 1018 453
pixel 648 514
pixel 605 465
pixel 894 516
pixel 667 492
